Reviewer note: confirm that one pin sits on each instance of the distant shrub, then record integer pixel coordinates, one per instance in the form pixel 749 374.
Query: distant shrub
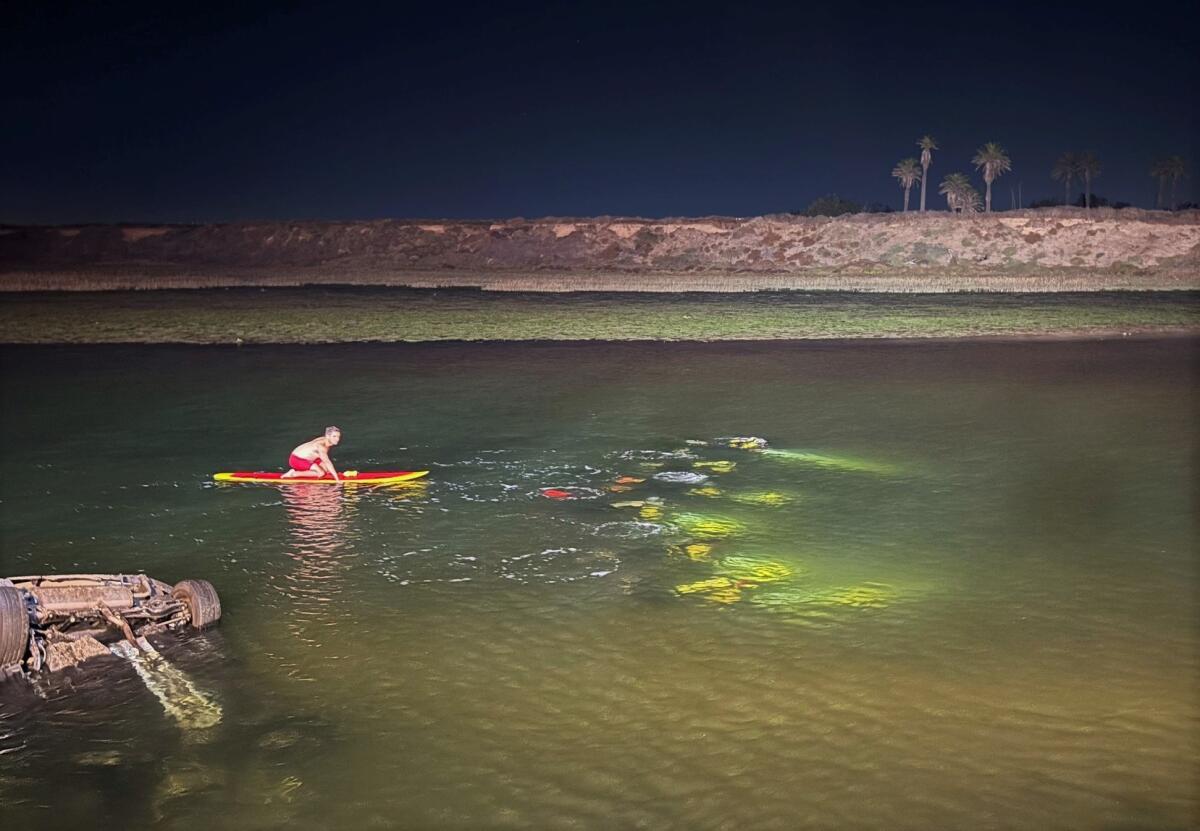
pixel 831 205
pixel 877 208
pixel 1097 202
pixel 1048 202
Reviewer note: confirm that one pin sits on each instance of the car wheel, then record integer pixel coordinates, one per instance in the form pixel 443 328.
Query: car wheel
pixel 14 628
pixel 201 600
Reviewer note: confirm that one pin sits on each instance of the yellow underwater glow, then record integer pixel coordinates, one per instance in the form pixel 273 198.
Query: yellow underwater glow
pixel 716 589
pixel 829 462
pixel 715 467
pixel 770 498
pixel 736 574
pixel 704 585
pixel 754 569
pixel 822 602
pixel 744 442
pixel 862 596
pixel 708 527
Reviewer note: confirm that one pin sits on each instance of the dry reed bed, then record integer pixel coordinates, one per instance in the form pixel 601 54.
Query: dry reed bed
pixel 899 282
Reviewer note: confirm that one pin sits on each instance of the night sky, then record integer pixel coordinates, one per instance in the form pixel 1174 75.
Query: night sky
pixel 154 113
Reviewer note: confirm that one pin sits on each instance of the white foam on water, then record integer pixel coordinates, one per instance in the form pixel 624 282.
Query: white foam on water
pixel 655 455
pixel 628 530
pixel 683 476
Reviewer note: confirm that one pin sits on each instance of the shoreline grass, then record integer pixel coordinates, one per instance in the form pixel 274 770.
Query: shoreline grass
pixel 342 315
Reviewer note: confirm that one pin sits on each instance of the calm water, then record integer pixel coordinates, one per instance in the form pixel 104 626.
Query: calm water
pixel 964 597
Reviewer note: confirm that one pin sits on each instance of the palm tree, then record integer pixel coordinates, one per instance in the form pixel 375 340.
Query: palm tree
pixel 1066 169
pixel 1089 169
pixel 927 145
pixel 1160 172
pixel 993 161
pixel 908 173
pixel 961 197
pixel 1175 168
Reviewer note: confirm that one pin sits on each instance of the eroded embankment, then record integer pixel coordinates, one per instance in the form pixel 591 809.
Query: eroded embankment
pixel 1044 250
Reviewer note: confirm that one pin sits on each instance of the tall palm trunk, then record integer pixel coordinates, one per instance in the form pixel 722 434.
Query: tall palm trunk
pixel 1174 201
pixel 1067 196
pixel 906 190
pixel 924 178
pixel 987 198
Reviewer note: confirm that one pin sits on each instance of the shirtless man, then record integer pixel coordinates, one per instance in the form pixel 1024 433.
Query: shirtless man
pixel 311 459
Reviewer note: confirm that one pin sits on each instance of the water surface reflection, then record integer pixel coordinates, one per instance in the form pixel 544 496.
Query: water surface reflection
pixel 962 595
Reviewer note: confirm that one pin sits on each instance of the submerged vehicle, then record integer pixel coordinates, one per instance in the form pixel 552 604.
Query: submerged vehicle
pixel 52 622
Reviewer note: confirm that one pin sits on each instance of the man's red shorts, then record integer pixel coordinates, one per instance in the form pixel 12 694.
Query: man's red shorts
pixel 296 463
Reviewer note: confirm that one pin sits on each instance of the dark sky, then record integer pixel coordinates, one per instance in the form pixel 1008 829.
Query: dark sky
pixel 306 111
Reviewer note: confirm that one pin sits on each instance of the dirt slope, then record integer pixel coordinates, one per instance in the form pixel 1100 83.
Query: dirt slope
pixel 1105 248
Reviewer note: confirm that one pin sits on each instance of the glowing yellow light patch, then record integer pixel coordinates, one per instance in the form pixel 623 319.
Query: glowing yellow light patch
pixel 770 498
pixel 863 596
pixel 755 569
pixel 833 462
pixel 715 467
pixel 715 589
pixel 711 584
pixel 746 443
pixel 698 525
pixel 696 551
pixel 724 596
pixel 708 491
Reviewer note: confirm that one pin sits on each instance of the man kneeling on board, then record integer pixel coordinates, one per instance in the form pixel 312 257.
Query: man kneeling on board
pixel 311 459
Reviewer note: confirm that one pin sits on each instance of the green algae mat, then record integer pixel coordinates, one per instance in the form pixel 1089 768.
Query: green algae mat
pixel 341 315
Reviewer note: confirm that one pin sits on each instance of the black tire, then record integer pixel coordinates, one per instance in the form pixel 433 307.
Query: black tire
pixel 14 628
pixel 201 600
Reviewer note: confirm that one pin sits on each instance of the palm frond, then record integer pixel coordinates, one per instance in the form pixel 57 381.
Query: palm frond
pixel 1067 167
pixel 1089 165
pixel 908 172
pixel 960 195
pixel 992 160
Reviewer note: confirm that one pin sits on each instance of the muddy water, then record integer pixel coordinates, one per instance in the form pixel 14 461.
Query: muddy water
pixel 958 589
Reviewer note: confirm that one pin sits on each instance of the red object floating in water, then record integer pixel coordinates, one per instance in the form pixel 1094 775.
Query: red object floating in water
pixel 555 493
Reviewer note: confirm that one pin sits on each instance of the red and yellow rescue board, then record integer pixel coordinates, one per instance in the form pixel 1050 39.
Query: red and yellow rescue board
pixel 349 477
